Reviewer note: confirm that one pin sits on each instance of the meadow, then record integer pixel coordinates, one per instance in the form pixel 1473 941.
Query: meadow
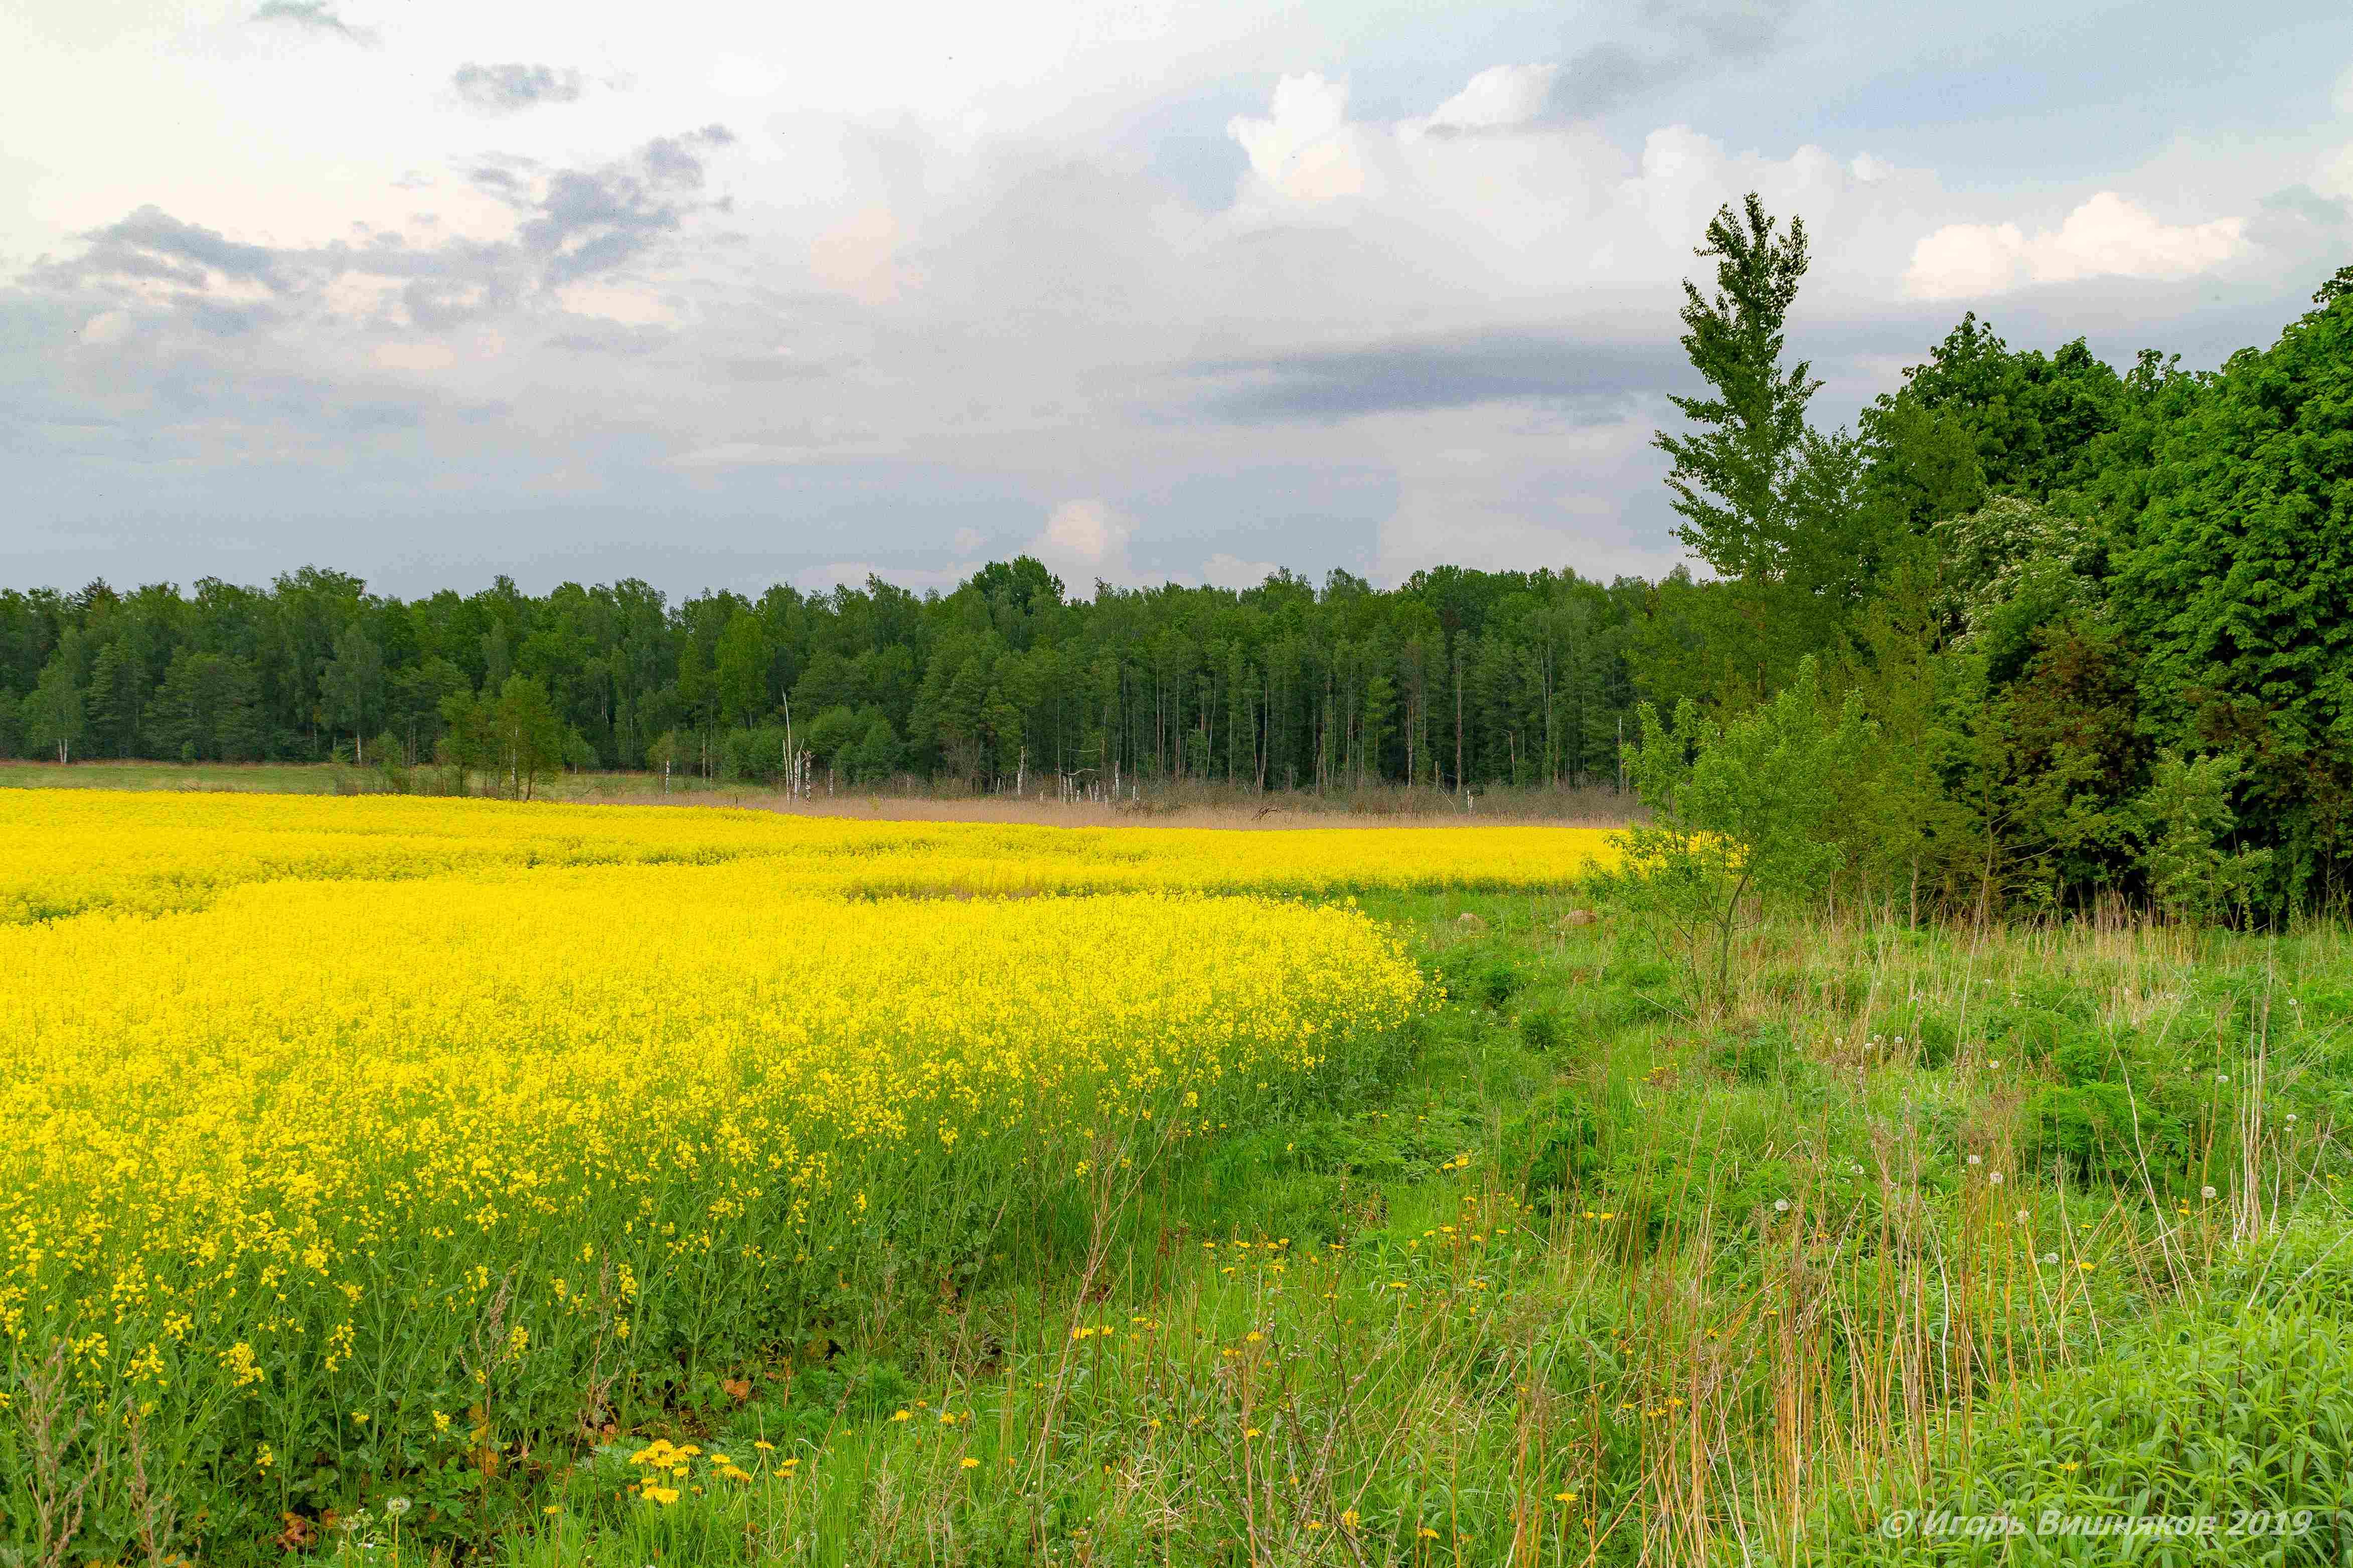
pixel 422 1180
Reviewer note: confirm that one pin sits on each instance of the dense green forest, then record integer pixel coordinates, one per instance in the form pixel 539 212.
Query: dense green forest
pixel 2079 607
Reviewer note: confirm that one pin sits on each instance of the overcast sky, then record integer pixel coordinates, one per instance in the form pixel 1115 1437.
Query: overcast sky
pixel 718 296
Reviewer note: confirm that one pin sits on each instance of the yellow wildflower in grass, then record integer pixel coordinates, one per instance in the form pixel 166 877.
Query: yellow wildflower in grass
pixel 665 1060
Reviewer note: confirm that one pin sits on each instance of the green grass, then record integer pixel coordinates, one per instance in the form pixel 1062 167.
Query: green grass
pixel 262 778
pixel 320 778
pixel 1592 1278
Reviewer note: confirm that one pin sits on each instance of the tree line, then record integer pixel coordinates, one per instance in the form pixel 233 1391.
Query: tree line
pixel 1458 680
pixel 2048 583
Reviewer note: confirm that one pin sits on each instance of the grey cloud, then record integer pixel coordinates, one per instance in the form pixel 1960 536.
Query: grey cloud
pixel 593 222
pixel 1594 379
pixel 439 303
pixel 153 244
pixel 573 224
pixel 315 14
pixel 228 321
pixel 1675 43
pixel 1652 47
pixel 600 337
pixel 671 159
pixel 505 89
pixel 370 418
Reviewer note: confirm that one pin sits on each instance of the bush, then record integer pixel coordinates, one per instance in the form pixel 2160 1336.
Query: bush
pixel 1755 1053
pixel 1554 1147
pixel 756 755
pixel 2200 1418
pixel 2123 1109
pixel 1744 814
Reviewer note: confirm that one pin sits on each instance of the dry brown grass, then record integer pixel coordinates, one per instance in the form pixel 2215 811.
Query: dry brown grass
pixel 1055 813
pixel 1191 808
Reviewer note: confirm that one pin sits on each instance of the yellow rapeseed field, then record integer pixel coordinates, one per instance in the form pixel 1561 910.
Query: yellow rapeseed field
pixel 371 1136
pixel 66 851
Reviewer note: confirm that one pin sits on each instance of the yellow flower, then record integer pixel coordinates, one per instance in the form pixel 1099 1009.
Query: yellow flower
pixel 969 1463
pixel 383 1038
pixel 663 1495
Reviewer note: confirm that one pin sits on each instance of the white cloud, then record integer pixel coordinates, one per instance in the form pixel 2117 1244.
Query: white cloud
pixel 1085 540
pixel 1512 487
pixel 1497 96
pixel 738 76
pixel 1224 570
pixel 1305 148
pixel 2107 236
pixel 858 256
pixel 106 327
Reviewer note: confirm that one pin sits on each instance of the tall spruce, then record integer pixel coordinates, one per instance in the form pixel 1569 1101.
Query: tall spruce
pixel 1732 477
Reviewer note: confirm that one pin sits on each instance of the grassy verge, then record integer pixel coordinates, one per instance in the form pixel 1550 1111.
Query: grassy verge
pixel 1935 1226
pixel 1183 804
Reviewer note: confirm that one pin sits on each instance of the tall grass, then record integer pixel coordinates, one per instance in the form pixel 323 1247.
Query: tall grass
pixel 1597 1282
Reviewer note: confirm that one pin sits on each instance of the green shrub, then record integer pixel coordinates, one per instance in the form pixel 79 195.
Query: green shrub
pixel 1552 1147
pixel 2125 1109
pixel 1755 1053
pixel 2218 1419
